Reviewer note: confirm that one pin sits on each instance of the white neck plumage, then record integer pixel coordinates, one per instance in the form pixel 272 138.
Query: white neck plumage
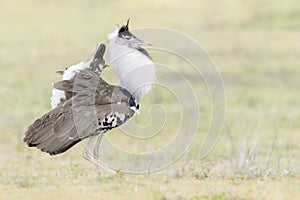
pixel 136 70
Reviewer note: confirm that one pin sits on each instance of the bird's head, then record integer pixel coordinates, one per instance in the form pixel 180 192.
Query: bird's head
pixel 122 36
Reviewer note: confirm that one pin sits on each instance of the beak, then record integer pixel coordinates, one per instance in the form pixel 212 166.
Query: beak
pixel 141 42
pixel 146 43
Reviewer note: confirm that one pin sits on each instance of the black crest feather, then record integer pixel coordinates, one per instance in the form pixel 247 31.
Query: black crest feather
pixel 125 27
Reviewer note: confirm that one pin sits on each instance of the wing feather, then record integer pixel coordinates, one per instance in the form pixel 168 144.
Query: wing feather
pixel 92 107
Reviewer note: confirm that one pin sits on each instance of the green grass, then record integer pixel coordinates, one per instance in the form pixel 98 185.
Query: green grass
pixel 255 46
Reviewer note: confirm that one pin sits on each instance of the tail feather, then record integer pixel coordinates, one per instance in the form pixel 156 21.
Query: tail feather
pixel 60 142
pixel 42 134
pixel 64 148
pixel 40 128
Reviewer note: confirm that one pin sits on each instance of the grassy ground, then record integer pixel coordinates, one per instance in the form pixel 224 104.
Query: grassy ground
pixel 255 45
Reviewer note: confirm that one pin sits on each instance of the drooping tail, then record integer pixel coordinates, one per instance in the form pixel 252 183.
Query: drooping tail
pixel 49 136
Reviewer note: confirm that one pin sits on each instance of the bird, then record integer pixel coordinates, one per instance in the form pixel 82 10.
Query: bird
pixel 84 105
pixel 91 102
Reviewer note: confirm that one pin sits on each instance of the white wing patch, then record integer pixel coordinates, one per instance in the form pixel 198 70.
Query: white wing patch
pixel 57 95
pixel 73 70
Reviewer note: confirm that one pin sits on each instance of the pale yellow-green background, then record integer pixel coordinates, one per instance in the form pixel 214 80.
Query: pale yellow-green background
pixel 255 44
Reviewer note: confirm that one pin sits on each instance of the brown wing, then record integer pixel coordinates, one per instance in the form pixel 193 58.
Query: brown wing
pixel 61 128
pixel 93 108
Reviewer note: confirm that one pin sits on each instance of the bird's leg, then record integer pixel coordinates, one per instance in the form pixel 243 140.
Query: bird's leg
pixel 93 160
pixel 87 154
pixel 97 146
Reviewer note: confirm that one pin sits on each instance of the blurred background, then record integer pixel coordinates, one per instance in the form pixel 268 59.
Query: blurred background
pixel 255 45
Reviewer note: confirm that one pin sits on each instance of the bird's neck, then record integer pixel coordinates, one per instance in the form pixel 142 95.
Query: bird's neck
pixel 136 71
